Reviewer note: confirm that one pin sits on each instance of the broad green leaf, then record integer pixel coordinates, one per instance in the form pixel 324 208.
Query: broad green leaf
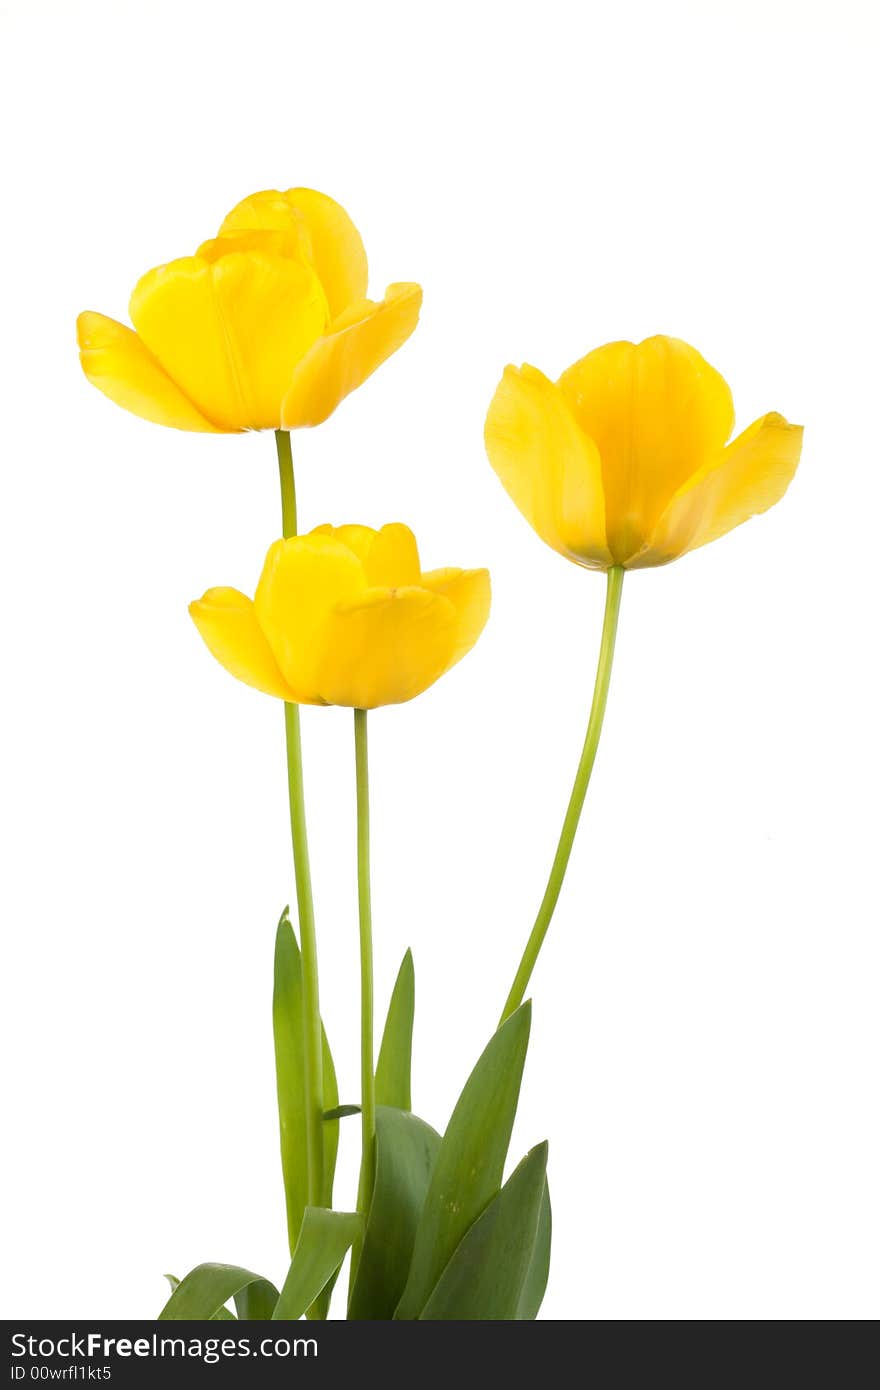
pixel 202 1294
pixel 535 1285
pixel 484 1279
pixel 324 1240
pixel 470 1161
pixel 221 1315
pixel 287 1023
pixel 394 1067
pixel 405 1151
pixel 256 1302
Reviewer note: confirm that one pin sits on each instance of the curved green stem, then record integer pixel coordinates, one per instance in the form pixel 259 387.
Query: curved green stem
pixel 312 1043
pixel 579 791
pixel 368 1079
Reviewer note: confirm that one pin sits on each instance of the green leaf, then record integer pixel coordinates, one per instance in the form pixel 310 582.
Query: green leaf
pixel 394 1067
pixel 331 1126
pixel 202 1294
pixel 535 1285
pixel 470 1161
pixel 223 1315
pixel 331 1145
pixel 405 1152
pixel 341 1112
pixel 484 1279
pixel 324 1240
pixel 256 1302
pixel 287 1023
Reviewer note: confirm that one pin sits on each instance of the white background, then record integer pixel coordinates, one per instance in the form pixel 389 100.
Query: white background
pixel 705 1044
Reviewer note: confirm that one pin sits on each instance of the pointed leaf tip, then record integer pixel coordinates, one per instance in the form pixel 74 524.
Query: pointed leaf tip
pixel 485 1279
pixel 394 1064
pixel 469 1167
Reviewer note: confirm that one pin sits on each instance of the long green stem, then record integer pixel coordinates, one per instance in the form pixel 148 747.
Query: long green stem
pixel 288 487
pixel 312 1042
pixel 365 920
pixel 579 791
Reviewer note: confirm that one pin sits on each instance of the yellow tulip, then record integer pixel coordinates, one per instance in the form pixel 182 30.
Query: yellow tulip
pixel 625 461
pixel 266 327
pixel 344 616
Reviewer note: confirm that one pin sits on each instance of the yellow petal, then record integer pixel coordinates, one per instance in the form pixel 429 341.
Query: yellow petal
pixel 470 593
pixel 229 332
pixel 385 647
pixel 290 241
pixel 335 244
pixel 342 361
pixel 358 538
pixel 227 622
pixel 656 411
pixel 115 360
pixel 390 557
pixel 302 580
pixel 548 465
pixel 746 478
pixel 393 560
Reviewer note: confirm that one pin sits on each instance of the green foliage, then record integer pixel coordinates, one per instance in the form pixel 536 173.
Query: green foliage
pixel 443 1239
pixel 485 1277
pixel 394 1067
pixel 535 1284
pixel 405 1152
pixel 287 1024
pixel 324 1240
pixel 204 1291
pixel 470 1161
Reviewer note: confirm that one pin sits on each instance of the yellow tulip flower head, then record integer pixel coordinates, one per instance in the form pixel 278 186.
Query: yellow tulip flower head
pixel 345 616
pixel 266 327
pixel 625 459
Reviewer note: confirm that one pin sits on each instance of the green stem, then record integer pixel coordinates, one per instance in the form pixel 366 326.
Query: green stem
pixel 368 1079
pixel 579 791
pixel 312 1041
pixel 288 487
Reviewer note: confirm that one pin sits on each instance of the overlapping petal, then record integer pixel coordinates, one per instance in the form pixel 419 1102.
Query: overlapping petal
pixel 343 616
pixel 655 411
pixel 227 622
pixel 334 243
pixel 746 478
pixel 230 331
pixel 624 462
pixel 355 345
pixel 550 468
pixel 271 309
pixel 386 647
pixel 390 556
pixel 116 361
pixel 302 580
pixel 470 592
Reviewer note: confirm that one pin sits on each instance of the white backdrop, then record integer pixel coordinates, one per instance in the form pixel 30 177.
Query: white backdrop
pixel 705 1042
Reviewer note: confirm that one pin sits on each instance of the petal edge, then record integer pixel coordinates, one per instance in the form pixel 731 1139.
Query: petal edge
pixel 748 477
pixel 227 624
pixel 120 365
pixel 347 355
